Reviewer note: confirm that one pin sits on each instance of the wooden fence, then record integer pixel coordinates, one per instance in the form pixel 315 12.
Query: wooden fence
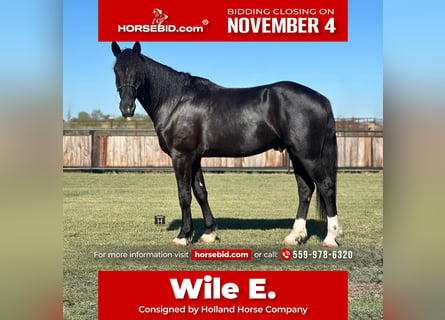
pixel 106 150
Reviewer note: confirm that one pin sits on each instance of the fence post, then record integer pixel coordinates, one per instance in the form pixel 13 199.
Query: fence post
pixel 93 147
pixel 287 161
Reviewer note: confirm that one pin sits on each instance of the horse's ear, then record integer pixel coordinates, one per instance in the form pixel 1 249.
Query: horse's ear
pixel 137 48
pixel 115 48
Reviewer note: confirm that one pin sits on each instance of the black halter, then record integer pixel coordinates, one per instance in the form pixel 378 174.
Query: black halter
pixel 126 85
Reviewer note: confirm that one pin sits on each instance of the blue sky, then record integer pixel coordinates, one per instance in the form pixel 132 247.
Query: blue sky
pixel 349 73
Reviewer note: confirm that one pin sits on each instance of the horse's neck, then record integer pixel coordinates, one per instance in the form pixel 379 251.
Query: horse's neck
pixel 161 95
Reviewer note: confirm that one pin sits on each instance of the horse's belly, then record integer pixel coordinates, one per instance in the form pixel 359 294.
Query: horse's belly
pixel 231 148
pixel 231 154
pixel 239 138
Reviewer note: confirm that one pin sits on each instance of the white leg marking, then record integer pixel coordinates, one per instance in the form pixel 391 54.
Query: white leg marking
pixel 180 242
pixel 334 231
pixel 298 233
pixel 208 238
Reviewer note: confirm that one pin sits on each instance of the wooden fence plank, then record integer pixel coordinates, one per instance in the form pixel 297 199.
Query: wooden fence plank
pixel 76 151
pixel 378 152
pixel 144 151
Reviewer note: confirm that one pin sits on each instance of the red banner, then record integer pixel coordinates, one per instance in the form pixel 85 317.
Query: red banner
pixel 246 20
pixel 223 295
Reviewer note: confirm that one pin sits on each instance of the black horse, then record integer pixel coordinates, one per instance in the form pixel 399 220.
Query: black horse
pixel 196 118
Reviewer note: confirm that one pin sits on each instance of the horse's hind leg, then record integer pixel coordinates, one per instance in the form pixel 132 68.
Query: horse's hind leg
pixel 200 192
pixel 305 191
pixel 328 207
pixel 326 197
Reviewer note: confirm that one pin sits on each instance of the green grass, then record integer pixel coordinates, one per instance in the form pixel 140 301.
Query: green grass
pixel 115 213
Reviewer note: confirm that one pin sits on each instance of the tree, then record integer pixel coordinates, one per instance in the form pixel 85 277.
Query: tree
pixel 83 116
pixel 68 116
pixel 96 114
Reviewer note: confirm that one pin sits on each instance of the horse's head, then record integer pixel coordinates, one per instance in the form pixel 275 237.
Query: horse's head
pixel 128 76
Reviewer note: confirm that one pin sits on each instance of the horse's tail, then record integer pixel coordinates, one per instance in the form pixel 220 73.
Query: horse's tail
pixel 328 162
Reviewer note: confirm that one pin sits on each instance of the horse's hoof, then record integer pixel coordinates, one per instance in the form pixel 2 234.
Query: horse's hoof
pixel 331 245
pixel 182 242
pixel 208 238
pixel 302 237
pixel 329 242
pixel 289 242
pixel 292 240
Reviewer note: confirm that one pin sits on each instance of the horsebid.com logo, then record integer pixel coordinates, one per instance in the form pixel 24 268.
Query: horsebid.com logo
pixel 159 17
pixel 157 25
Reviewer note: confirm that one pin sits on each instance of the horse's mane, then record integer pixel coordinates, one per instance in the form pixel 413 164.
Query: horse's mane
pixel 165 84
pixel 174 77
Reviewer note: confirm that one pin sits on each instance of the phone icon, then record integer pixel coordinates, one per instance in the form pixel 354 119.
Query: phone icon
pixel 286 254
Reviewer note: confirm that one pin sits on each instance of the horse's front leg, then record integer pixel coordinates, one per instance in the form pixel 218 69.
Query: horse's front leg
pixel 182 165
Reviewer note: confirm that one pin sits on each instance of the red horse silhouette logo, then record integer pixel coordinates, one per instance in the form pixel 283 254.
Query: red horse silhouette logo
pixel 159 17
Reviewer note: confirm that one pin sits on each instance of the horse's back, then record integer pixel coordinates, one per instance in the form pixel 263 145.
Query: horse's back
pixel 219 121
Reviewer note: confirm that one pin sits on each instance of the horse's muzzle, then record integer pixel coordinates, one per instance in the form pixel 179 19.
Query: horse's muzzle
pixel 127 109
